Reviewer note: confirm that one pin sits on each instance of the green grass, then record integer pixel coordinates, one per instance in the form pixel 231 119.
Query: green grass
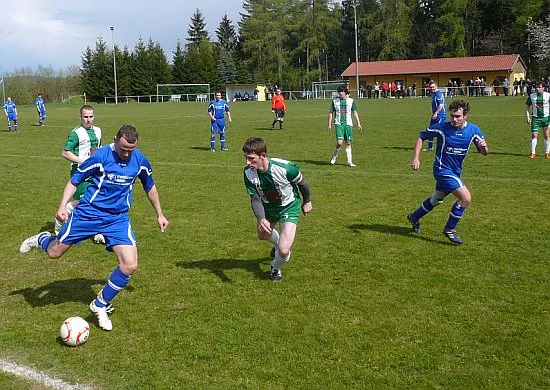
pixel 363 303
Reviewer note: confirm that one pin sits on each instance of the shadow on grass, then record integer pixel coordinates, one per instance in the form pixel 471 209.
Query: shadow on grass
pixel 219 266
pixel 508 154
pixel 313 162
pixel 397 230
pixel 69 290
pixel 199 148
pixel 398 148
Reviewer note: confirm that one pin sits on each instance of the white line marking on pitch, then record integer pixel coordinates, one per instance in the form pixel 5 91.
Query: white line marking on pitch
pixel 37 376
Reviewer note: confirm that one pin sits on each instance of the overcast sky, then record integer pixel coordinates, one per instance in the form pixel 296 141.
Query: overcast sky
pixel 56 33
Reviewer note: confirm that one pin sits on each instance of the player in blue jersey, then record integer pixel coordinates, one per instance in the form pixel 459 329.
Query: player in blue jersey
pixel 41 109
pixel 453 142
pixel 217 109
pixel 104 209
pixel 10 109
pixel 439 115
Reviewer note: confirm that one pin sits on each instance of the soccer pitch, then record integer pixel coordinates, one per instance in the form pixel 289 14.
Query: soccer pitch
pixel 364 303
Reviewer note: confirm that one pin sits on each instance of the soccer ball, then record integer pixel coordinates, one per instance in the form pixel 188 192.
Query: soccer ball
pixel 74 331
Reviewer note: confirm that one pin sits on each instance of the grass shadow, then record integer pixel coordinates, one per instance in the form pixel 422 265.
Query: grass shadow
pixel 219 266
pixel 313 162
pixel 398 148
pixel 397 230
pixel 61 291
pixel 199 148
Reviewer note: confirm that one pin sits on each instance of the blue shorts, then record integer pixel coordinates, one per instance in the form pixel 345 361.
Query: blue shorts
pixel 447 183
pixel 81 225
pixel 12 117
pixel 218 126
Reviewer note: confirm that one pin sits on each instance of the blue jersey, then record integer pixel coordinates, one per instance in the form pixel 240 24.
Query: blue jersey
pixel 39 102
pixel 10 108
pixel 112 180
pixel 218 108
pixel 452 145
pixel 437 99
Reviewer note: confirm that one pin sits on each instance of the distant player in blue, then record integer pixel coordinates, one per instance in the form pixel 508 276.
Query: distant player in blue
pixel 113 170
pixel 453 142
pixel 439 115
pixel 10 109
pixel 41 109
pixel 217 109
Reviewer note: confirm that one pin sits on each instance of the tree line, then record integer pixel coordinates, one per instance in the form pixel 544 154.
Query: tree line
pixel 296 42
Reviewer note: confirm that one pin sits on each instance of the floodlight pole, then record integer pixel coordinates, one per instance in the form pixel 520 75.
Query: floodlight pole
pixel 354 4
pixel 114 61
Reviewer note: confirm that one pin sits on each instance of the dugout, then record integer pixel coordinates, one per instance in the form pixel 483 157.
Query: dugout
pixel 232 89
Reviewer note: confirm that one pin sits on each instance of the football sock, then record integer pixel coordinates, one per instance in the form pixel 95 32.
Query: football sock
pixel 117 281
pixel 335 152
pixel 348 153
pixel 546 146
pixel 430 144
pixel 457 211
pixel 278 261
pixel 44 240
pixel 213 141
pixel 274 121
pixel 222 141
pixel 274 239
pixel 424 209
pixel 533 145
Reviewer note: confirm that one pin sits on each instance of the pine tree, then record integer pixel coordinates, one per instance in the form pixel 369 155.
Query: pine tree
pixel 227 37
pixel 197 29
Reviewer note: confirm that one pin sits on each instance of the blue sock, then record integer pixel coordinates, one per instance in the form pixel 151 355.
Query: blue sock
pixel 213 141
pixel 457 211
pixel 117 281
pixel 222 141
pixel 44 240
pixel 424 209
pixel 430 144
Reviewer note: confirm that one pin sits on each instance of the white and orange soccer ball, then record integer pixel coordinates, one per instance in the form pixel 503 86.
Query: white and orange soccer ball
pixel 74 331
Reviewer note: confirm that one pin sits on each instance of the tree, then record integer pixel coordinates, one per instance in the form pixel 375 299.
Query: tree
pixel 227 37
pixel 539 34
pixel 452 28
pixel 197 29
pixel 141 71
pixel 225 67
pixel 178 65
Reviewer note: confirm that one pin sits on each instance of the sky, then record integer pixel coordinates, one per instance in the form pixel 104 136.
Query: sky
pixel 56 33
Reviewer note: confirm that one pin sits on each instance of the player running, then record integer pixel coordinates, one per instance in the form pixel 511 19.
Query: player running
pixel 453 142
pixel 439 115
pixel 274 186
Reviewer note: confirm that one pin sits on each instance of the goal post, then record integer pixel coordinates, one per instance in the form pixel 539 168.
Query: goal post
pixel 183 92
pixel 326 89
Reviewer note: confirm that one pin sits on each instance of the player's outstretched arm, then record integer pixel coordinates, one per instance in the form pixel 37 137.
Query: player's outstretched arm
pixel 359 127
pixel 303 187
pixel 153 196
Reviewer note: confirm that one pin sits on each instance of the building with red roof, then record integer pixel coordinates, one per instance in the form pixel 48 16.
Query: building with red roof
pixel 440 70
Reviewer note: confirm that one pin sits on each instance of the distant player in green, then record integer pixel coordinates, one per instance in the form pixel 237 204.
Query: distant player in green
pixel 343 108
pixel 274 186
pixel 81 143
pixel 538 104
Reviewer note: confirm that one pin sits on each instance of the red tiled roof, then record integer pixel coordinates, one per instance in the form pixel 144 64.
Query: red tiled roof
pixel 436 65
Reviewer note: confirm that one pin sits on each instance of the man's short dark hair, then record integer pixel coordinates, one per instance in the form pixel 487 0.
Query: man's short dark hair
pixel 129 133
pixel 342 89
pixel 458 104
pixel 255 145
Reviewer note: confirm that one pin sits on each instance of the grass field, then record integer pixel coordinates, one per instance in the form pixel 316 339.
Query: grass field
pixel 364 304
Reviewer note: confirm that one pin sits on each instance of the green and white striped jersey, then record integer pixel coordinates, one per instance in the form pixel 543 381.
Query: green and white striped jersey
pixel 82 143
pixel 540 104
pixel 277 186
pixel 343 108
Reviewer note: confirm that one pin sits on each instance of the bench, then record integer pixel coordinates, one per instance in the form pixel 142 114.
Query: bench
pixel 175 98
pixel 201 98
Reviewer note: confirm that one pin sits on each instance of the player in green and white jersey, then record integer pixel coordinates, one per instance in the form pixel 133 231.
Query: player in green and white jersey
pixel 538 105
pixel 343 108
pixel 82 141
pixel 275 186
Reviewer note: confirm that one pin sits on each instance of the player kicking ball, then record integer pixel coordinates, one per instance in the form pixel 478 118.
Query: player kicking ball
pixel 453 142
pixel 274 186
pixel 104 208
